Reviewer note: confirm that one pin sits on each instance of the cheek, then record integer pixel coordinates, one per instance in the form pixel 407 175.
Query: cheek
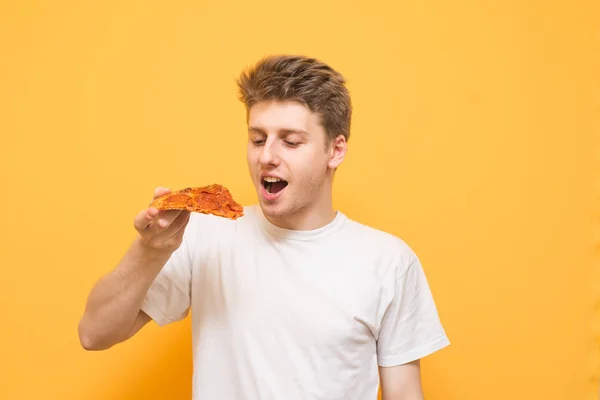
pixel 251 156
pixel 311 170
pixel 251 161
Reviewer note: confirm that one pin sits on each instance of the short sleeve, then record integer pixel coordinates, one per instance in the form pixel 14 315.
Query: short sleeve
pixel 169 296
pixel 410 327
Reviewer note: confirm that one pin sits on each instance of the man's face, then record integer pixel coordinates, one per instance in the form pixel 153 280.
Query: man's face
pixel 290 161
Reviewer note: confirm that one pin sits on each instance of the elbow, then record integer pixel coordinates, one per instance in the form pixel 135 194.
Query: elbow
pixel 87 343
pixel 89 339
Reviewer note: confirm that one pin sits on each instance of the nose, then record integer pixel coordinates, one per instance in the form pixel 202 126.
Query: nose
pixel 268 154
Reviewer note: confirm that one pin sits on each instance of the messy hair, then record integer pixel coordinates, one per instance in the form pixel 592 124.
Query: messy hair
pixel 303 79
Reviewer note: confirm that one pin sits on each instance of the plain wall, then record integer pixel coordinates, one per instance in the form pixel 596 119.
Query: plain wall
pixel 472 140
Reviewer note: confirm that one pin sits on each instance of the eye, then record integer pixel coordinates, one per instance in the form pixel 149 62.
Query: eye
pixel 257 142
pixel 292 144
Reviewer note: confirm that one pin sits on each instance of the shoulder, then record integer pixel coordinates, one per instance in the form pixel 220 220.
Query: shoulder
pixel 389 249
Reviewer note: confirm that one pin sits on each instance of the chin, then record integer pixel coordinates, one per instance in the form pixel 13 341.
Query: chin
pixel 276 210
pixel 272 209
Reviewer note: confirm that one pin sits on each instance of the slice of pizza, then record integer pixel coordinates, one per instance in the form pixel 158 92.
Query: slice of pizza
pixel 212 199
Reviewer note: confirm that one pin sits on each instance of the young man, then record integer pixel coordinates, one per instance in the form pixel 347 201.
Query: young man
pixel 293 300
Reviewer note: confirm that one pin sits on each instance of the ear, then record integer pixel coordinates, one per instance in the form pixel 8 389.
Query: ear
pixel 337 151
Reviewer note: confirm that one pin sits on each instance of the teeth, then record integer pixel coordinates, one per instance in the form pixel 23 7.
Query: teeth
pixel 271 179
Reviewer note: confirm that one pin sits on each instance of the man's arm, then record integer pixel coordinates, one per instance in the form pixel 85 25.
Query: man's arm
pixel 113 309
pixel 402 382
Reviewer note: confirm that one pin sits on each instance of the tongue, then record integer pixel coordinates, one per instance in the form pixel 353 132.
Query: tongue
pixel 277 186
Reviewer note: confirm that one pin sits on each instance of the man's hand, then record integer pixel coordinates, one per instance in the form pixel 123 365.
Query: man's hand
pixel 402 382
pixel 161 230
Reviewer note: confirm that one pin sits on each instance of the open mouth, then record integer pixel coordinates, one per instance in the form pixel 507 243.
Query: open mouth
pixel 273 185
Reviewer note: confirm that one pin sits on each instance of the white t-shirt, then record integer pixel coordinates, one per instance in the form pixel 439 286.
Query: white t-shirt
pixel 280 314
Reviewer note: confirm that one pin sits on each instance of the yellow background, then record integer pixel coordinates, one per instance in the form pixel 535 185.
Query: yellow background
pixel 472 140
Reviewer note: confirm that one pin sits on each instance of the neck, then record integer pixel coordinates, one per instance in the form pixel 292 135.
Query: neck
pixel 304 220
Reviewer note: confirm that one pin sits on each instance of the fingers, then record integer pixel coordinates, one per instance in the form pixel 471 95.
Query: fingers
pixel 163 220
pixel 175 229
pixel 146 217
pixel 169 237
pixel 161 229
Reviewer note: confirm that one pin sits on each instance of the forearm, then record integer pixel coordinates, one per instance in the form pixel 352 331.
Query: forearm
pixel 115 300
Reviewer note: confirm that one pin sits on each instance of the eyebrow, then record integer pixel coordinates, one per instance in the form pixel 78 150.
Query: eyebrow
pixel 299 131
